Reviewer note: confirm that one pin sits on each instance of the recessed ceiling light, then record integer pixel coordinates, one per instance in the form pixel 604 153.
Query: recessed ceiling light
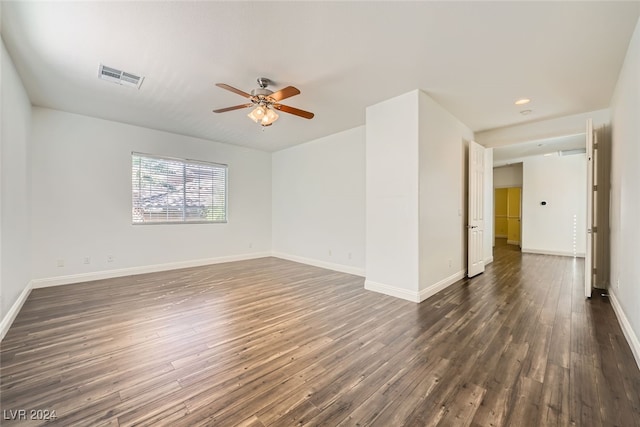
pixel 522 101
pixel 525 112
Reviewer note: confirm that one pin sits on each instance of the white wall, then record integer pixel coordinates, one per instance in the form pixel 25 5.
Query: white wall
pixel 507 176
pixel 441 192
pixel 82 200
pixel 561 182
pixel 319 202
pixel 15 248
pixel 415 206
pixel 625 195
pixel 392 209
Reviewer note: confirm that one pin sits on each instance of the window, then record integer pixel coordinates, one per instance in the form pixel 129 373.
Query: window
pixel 167 190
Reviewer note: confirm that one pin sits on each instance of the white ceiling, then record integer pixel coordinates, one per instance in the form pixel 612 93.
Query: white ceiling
pixel 474 58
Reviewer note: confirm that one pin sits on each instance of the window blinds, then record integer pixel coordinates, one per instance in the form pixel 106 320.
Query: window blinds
pixel 169 190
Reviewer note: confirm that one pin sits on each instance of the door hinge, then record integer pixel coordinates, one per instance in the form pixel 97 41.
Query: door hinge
pixel 595 270
pixel 594 229
pixel 595 187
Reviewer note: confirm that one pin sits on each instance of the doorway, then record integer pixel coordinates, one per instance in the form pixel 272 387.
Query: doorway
pixel 507 209
pixel 507 214
pixel 552 206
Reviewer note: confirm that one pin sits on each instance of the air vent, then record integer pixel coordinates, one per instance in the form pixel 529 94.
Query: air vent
pixel 120 77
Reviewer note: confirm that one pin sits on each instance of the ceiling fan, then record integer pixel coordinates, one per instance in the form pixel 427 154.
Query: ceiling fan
pixel 265 102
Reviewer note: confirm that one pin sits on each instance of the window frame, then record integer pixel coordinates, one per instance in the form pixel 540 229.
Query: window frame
pixel 184 162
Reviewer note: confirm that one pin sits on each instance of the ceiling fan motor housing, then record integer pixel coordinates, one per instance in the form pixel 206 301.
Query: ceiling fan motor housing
pixel 262 92
pixel 263 82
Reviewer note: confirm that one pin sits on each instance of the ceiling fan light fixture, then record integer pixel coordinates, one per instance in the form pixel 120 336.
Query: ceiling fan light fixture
pixel 263 115
pixel 257 114
pixel 269 117
pixel 264 102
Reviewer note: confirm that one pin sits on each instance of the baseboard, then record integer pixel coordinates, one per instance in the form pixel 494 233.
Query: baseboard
pixel 442 284
pixel 408 295
pixel 8 319
pixel 513 242
pixel 487 260
pixel 500 236
pixel 109 274
pixel 631 337
pixel 546 252
pixel 392 291
pixel 322 264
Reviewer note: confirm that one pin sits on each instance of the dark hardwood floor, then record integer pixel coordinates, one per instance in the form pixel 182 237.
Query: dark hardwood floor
pixel 271 342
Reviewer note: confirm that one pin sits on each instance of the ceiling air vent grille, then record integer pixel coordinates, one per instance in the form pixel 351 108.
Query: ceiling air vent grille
pixel 120 77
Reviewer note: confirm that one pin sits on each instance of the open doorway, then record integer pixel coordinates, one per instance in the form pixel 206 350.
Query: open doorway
pixel 507 214
pixel 507 187
pixel 549 177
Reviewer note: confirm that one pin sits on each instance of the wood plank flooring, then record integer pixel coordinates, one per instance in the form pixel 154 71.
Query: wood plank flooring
pixel 269 342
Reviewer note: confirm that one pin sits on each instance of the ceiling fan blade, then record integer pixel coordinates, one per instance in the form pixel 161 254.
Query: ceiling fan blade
pixel 235 107
pixel 295 111
pixel 287 92
pixel 233 89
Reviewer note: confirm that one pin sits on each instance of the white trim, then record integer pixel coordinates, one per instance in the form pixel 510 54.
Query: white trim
pixel 513 242
pixel 322 264
pixel 108 274
pixel 442 284
pixel 505 186
pixel 631 337
pixel 545 252
pixel 8 319
pixel 408 295
pixel 487 260
pixel 393 291
pixel 501 236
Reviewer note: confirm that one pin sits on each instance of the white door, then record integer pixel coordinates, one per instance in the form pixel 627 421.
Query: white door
pixel 588 258
pixel 475 227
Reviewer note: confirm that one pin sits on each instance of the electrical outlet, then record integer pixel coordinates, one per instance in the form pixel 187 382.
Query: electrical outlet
pixel 349 256
pixel 110 258
pixel 450 263
pixel 250 245
pixel 60 263
pixel 330 252
pixel 86 260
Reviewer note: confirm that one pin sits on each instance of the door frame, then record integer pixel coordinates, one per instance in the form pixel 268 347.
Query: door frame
pixel 588 256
